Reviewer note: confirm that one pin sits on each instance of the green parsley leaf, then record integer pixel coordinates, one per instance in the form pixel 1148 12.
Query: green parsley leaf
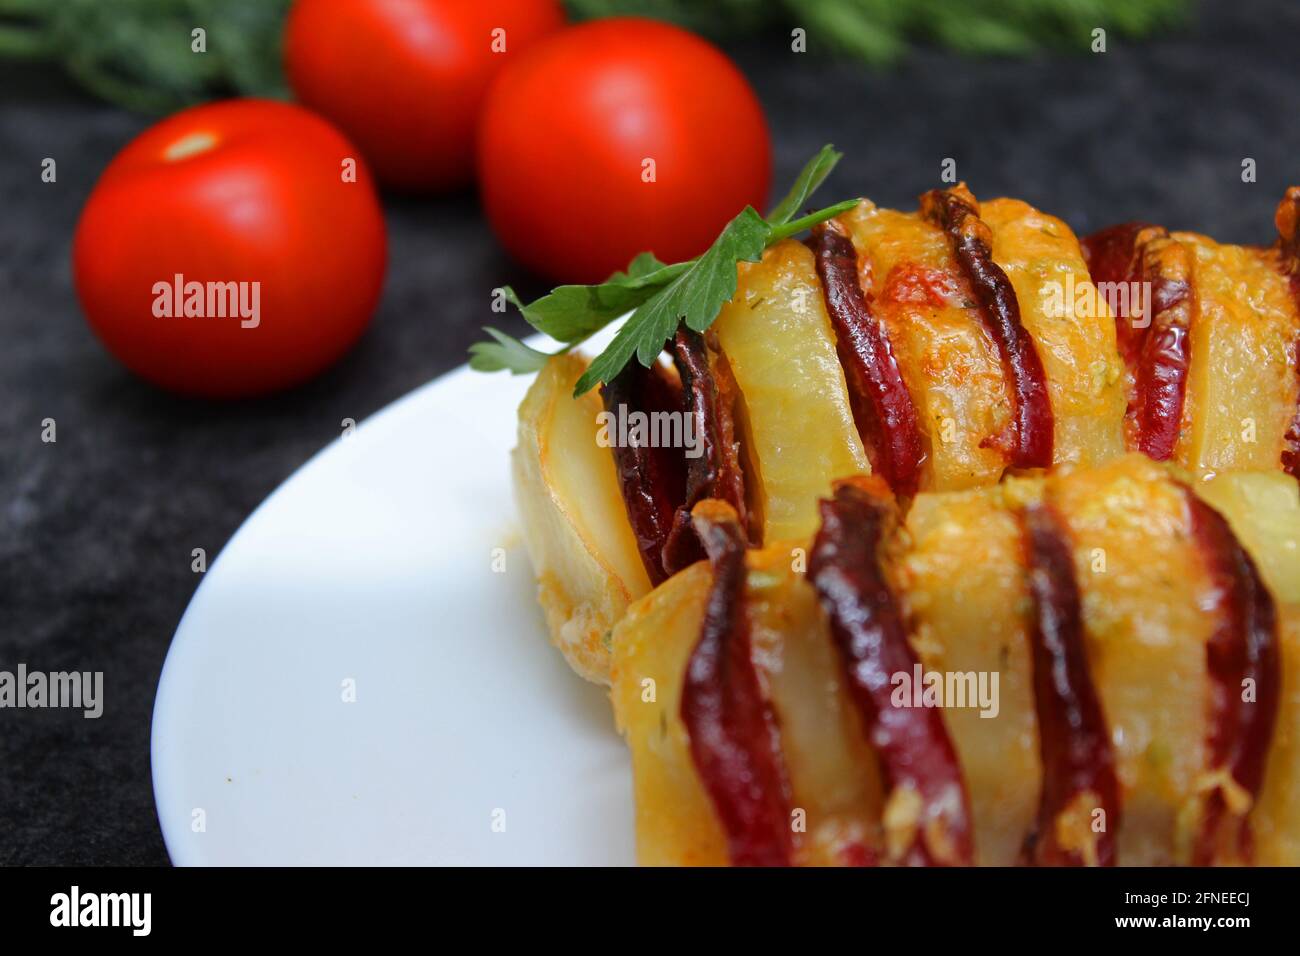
pixel 696 295
pixel 810 177
pixel 659 296
pixel 642 265
pixel 810 220
pixel 571 313
pixel 506 352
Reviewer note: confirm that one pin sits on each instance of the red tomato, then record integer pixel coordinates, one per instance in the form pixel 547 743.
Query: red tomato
pixel 249 193
pixel 571 128
pixel 405 79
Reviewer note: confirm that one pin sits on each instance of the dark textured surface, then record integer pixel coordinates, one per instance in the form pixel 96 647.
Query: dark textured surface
pixel 96 530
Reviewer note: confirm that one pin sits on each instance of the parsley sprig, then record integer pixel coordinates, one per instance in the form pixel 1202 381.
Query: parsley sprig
pixel 659 296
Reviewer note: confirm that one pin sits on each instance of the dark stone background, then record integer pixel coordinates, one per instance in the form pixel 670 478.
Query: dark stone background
pixel 96 530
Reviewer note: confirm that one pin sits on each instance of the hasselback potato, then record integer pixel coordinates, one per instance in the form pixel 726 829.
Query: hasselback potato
pixel 942 349
pixel 960 442
pixel 959 573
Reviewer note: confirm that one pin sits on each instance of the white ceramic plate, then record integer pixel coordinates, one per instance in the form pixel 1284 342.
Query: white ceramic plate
pixel 373 565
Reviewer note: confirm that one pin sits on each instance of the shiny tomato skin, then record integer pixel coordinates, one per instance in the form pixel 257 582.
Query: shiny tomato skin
pixel 567 129
pixel 239 191
pixel 405 79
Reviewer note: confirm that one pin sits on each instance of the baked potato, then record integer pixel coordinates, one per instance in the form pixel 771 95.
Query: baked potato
pixel 942 349
pixel 1148 606
pixel 1059 476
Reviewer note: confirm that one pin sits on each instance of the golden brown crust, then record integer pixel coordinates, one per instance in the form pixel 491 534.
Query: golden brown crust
pixel 959 569
pixel 793 417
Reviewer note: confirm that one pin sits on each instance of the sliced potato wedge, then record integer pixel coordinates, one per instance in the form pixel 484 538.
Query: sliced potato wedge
pixel 575 523
pixel 967 602
pixel 1073 333
pixel 797 422
pixel 675 821
pixel 1241 387
pixel 947 359
pixel 1276 819
pixel 836 790
pixel 836 794
pixel 1263 508
pixel 1143 585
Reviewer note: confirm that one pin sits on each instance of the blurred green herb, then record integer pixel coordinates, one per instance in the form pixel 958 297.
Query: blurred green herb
pixel 136 53
pixel 878 31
